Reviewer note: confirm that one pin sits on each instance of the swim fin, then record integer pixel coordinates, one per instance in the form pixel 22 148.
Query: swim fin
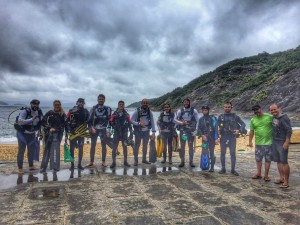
pixel 152 157
pixel 67 154
pixel 204 159
pixel 160 147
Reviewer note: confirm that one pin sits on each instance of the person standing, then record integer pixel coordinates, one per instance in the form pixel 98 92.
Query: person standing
pixel 166 127
pixel 27 124
pixel 99 127
pixel 282 132
pixel 261 127
pixel 77 117
pixel 121 124
pixel 54 124
pixel 143 122
pixel 188 118
pixel 230 126
pixel 208 129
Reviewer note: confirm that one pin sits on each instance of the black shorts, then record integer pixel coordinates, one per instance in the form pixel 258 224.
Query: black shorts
pixel 279 154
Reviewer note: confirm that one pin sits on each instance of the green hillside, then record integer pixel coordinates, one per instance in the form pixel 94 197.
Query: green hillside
pixel 243 81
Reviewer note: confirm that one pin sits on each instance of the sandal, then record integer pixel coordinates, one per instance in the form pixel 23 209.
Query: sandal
pixel 20 171
pixel 284 186
pixel 267 179
pixel 33 168
pixel 278 181
pixel 103 164
pixel 256 176
pixel 89 165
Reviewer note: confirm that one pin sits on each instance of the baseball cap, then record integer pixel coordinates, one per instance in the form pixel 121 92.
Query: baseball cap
pixel 205 107
pixel 256 107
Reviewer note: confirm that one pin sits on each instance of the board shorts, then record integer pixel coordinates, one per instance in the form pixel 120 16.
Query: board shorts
pixel 263 151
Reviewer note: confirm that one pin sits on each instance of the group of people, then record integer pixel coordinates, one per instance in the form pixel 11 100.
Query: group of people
pixel 272 133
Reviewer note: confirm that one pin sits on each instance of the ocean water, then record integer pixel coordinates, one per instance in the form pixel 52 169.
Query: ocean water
pixel 8 133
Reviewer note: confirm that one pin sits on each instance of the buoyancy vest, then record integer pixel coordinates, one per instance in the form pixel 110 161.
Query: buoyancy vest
pixel 54 120
pixel 120 120
pixel 29 127
pixel 208 125
pixel 76 117
pixel 228 123
pixel 100 116
pixel 190 118
pixel 166 121
pixel 144 113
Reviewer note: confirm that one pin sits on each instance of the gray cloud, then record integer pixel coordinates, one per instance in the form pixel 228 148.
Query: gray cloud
pixel 131 49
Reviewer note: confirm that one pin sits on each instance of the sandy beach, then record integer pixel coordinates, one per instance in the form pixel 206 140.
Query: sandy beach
pixel 8 152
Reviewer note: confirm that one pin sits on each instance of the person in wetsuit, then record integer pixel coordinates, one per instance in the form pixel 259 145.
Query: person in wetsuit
pixel 121 124
pixel 77 117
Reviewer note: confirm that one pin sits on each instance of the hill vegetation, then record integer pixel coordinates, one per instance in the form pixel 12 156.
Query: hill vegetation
pixel 261 79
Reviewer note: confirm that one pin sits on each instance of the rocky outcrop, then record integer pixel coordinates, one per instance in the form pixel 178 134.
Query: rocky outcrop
pixel 285 91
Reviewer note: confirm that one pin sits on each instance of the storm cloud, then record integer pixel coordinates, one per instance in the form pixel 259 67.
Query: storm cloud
pixel 130 49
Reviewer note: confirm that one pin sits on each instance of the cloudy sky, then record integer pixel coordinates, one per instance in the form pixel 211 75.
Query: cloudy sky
pixel 131 49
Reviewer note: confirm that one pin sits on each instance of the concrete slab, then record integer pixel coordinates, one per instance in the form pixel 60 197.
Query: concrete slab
pixel 150 194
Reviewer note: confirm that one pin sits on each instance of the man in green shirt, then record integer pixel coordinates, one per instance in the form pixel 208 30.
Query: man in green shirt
pixel 261 127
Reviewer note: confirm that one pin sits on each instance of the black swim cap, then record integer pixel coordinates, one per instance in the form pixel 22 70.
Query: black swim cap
pixel 35 102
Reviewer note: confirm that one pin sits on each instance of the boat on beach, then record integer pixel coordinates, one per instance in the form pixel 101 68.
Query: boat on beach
pixel 295 136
